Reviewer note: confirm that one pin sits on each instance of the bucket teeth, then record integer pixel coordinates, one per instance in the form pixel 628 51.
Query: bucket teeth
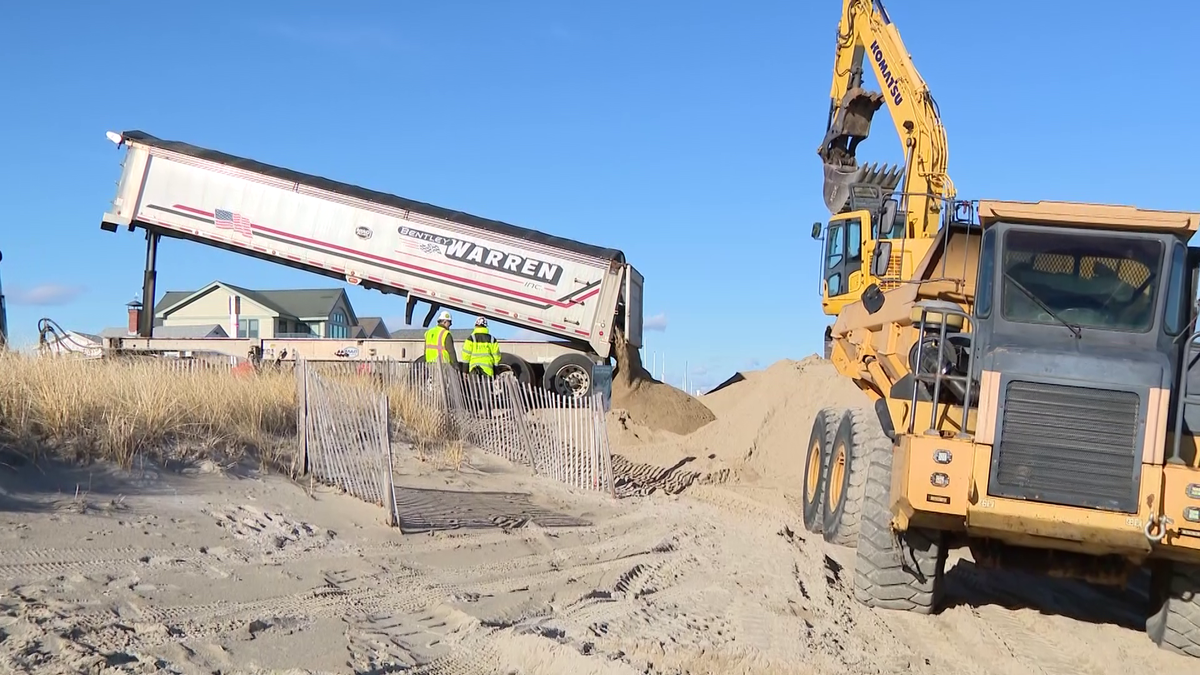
pixel 840 181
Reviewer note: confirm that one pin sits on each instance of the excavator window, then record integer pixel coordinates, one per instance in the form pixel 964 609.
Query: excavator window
pixel 1089 280
pixel 835 259
pixel 843 254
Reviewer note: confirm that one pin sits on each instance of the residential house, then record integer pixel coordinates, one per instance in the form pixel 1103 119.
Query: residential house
pixel 371 328
pixel 315 313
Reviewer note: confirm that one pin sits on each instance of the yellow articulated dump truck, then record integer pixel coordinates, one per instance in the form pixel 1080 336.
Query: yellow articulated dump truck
pixel 1037 388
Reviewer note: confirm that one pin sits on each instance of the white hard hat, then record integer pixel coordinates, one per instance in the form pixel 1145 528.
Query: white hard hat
pixel 444 316
pixel 480 321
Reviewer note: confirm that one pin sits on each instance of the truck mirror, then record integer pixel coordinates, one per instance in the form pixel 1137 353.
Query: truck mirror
pixel 881 259
pixel 816 231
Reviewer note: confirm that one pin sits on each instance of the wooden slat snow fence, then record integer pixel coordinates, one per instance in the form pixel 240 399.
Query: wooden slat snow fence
pixel 350 412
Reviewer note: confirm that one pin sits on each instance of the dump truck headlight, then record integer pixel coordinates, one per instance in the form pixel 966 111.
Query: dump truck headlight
pixel 942 456
pixel 1193 491
pixel 1192 514
pixel 939 480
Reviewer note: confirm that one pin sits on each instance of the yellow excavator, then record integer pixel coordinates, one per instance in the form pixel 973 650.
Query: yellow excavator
pixel 880 229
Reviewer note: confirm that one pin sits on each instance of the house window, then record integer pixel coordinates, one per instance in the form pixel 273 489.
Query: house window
pixel 337 327
pixel 283 326
pixel 302 328
pixel 247 328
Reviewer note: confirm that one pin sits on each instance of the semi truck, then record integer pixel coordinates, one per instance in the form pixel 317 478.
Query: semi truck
pixel 580 294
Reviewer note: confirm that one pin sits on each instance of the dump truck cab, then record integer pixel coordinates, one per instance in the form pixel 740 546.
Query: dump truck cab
pixel 1048 421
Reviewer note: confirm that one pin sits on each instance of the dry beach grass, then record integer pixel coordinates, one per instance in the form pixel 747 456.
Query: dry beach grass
pixel 122 409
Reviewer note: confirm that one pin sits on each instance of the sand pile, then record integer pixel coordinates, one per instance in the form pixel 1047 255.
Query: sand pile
pixel 649 402
pixel 761 427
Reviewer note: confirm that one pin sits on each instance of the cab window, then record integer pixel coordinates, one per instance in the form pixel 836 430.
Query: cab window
pixel 1177 303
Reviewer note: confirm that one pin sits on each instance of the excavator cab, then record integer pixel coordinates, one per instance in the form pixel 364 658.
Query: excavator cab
pixel 857 251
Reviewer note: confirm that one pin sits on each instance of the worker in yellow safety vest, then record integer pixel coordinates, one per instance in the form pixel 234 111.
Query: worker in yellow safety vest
pixel 481 351
pixel 439 344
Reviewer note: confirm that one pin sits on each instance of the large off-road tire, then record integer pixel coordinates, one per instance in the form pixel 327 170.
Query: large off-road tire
pixel 895 570
pixel 857 439
pixel 1175 605
pixel 825 426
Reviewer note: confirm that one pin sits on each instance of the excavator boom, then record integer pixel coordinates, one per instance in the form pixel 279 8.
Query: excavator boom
pixel 865 30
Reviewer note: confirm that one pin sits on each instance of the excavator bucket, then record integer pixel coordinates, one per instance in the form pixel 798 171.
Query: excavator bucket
pixel 850 126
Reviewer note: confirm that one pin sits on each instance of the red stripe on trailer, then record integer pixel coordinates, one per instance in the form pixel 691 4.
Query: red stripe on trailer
pixel 390 261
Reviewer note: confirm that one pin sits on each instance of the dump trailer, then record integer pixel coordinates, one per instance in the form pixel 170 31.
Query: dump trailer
pixel 1037 400
pixel 579 293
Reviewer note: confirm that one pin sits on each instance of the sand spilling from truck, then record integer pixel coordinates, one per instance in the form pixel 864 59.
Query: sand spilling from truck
pixel 762 425
pixel 653 404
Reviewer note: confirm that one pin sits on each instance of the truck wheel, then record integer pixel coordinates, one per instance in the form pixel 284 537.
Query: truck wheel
pixel 1175 597
pixel 518 366
pixel 894 570
pixel 857 439
pixel 825 425
pixel 569 375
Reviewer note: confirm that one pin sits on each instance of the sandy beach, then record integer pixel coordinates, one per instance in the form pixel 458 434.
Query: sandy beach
pixel 198 568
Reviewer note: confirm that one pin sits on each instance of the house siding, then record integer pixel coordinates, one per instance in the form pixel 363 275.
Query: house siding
pixel 213 307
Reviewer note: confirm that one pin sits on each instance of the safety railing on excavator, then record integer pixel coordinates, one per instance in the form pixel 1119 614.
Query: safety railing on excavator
pixel 944 368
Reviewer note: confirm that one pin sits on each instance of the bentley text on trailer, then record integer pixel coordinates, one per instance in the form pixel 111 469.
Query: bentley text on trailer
pixel 562 288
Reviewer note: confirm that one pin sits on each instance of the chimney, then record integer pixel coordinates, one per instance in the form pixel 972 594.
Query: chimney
pixel 235 309
pixel 135 316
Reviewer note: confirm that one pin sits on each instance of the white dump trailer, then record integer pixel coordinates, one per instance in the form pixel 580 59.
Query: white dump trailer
pixel 559 287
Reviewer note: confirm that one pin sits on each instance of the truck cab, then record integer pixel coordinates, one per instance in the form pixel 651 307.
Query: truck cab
pixel 1041 410
pixel 1075 452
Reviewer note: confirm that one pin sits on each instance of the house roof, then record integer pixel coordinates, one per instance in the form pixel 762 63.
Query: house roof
pixel 369 324
pixel 419 333
pixel 300 303
pixel 212 330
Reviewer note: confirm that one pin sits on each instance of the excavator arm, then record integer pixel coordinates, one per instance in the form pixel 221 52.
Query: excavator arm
pixel 867 33
pixel 854 259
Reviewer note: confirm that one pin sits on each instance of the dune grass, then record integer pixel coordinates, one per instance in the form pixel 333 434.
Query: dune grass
pixel 117 410
pixel 120 409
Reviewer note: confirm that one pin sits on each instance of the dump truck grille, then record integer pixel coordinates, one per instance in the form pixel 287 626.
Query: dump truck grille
pixel 1075 446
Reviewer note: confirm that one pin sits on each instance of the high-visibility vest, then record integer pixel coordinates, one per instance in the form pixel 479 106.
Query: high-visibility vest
pixel 435 345
pixel 482 351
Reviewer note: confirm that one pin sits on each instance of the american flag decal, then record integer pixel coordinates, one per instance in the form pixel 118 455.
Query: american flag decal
pixel 228 220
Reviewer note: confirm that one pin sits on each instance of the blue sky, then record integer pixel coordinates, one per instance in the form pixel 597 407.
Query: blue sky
pixel 683 133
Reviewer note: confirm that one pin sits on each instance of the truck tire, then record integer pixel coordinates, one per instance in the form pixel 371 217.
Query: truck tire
pixel 1174 624
pixel 825 425
pixel 569 375
pixel 518 366
pixel 895 570
pixel 857 439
